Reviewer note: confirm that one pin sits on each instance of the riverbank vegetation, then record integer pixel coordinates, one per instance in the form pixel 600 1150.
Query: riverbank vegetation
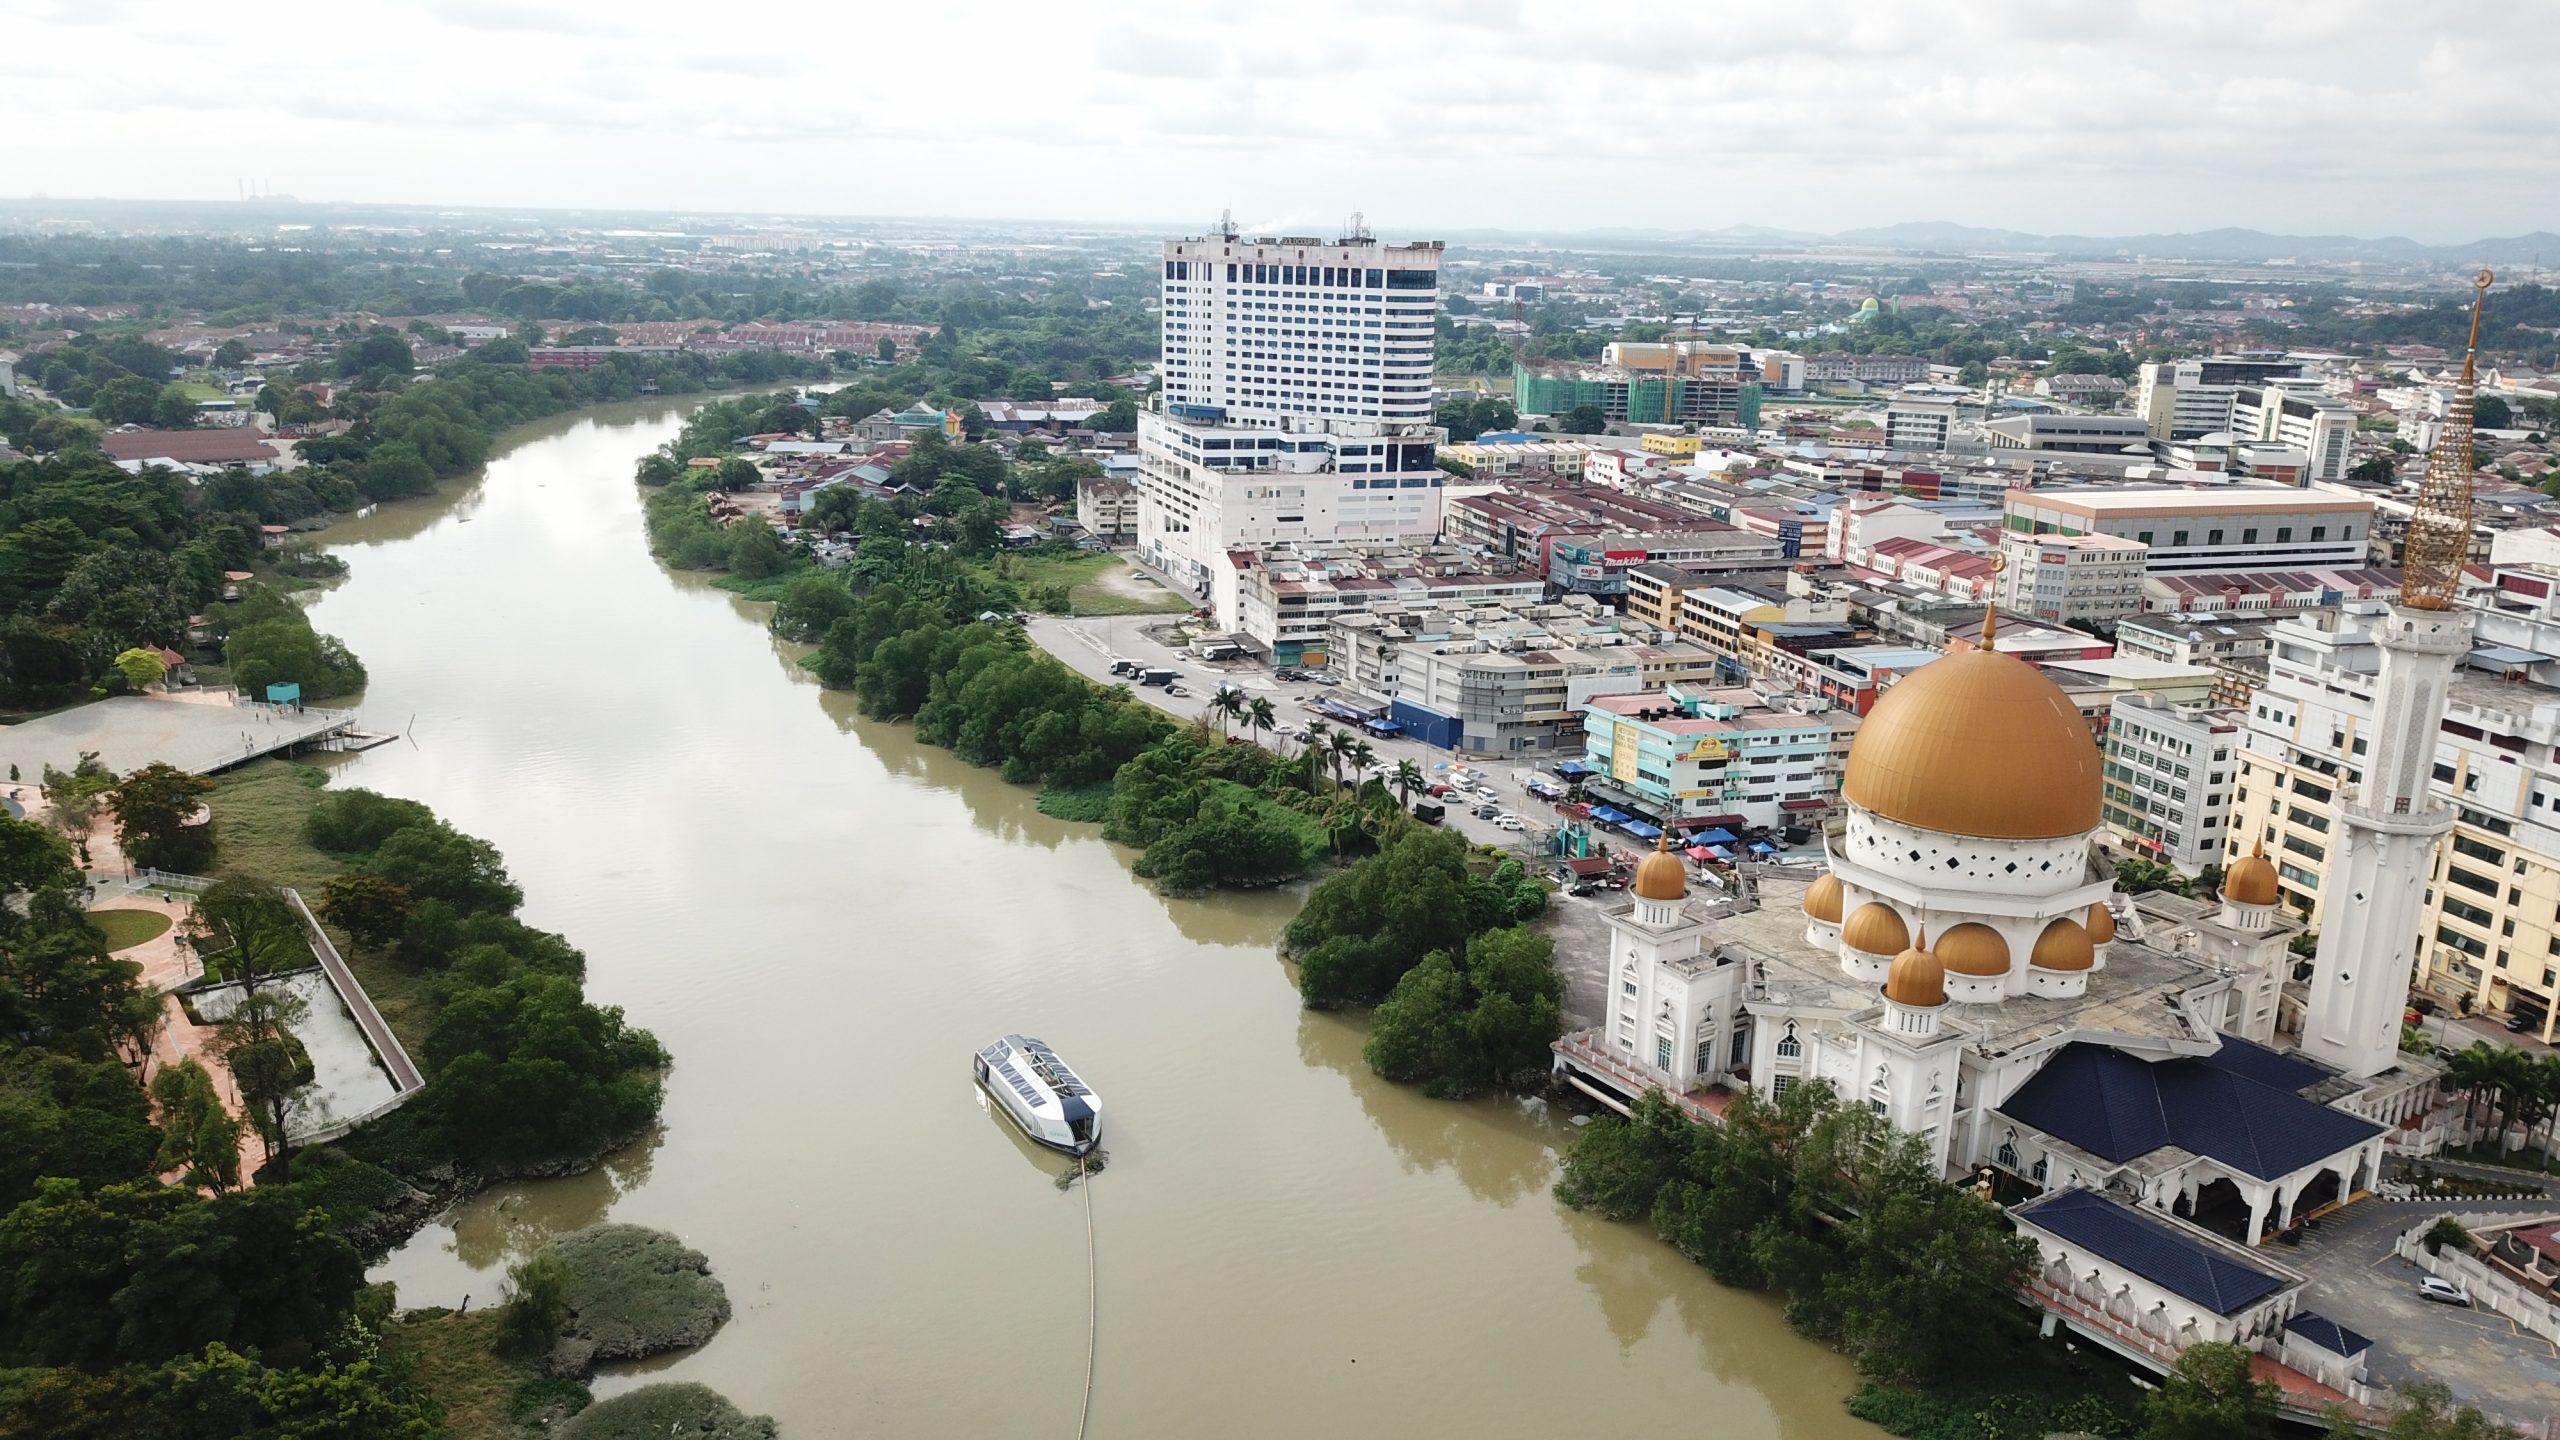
pixel 1848 1220
pixel 233 1304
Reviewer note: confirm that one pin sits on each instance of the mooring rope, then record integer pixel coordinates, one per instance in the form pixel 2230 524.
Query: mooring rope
pixel 1092 1300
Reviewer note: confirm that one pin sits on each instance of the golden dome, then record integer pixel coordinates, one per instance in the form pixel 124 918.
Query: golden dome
pixel 1660 875
pixel 1916 977
pixel 2102 923
pixel 2063 946
pixel 1980 744
pixel 1875 929
pixel 1822 899
pixel 1971 949
pixel 2252 879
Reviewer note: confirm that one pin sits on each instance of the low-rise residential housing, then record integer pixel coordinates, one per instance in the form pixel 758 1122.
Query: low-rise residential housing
pixel 1486 459
pixel 1107 507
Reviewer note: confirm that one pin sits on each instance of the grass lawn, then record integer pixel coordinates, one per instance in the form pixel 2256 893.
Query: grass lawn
pixel 128 928
pixel 199 390
pixel 1097 583
pixel 455 1364
pixel 258 814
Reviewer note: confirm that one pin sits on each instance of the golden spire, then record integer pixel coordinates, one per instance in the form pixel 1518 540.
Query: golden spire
pixel 1991 602
pixel 2440 524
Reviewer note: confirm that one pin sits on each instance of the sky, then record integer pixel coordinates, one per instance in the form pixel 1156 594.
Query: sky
pixel 2365 117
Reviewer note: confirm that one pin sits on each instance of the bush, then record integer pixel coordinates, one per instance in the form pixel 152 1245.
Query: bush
pixel 630 1292
pixel 1084 804
pixel 537 1304
pixel 350 1191
pixel 653 1412
pixel 2448 1231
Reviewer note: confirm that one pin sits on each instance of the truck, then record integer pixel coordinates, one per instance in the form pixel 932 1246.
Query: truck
pixel 1428 813
pixel 1158 677
pixel 1124 667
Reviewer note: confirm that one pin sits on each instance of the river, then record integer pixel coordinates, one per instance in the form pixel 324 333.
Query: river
pixel 822 919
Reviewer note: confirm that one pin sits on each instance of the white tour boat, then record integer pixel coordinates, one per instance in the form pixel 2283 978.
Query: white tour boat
pixel 1030 1083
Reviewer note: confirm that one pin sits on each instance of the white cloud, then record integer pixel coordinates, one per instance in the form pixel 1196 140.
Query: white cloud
pixel 2089 116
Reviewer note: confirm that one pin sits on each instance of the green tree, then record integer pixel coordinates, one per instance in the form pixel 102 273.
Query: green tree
pixel 756 552
pixel 158 811
pixel 888 349
pixel 537 1304
pixel 1583 420
pixel 197 1135
pixel 1483 1016
pixel 1363 929
pixel 374 912
pixel 2209 1394
pixel 2490 412
pixel 1260 715
pixel 231 354
pixel 243 926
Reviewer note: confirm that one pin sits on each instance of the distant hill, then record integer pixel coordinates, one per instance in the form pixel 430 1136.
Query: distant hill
pixel 2225 244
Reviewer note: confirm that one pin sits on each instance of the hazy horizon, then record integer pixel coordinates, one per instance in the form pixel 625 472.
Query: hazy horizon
pixel 2351 117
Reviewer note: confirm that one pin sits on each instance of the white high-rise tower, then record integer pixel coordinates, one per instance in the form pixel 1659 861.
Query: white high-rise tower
pixel 1297 398
pixel 2390 825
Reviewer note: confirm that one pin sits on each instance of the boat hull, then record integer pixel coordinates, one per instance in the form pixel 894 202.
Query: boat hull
pixel 1046 1131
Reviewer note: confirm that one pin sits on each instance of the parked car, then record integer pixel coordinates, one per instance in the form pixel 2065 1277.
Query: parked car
pixel 1509 822
pixel 1486 812
pixel 1439 790
pixel 2518 1024
pixel 2443 1292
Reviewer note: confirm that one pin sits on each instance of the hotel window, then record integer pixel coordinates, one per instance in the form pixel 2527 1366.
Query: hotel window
pixel 1662 1052
pixel 1788 1046
pixel 1779 1087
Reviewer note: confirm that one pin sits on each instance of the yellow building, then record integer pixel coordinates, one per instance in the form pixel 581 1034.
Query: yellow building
pixel 1657 444
pixel 2491 928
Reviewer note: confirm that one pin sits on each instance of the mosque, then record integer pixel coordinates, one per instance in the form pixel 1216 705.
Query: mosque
pixel 1967 970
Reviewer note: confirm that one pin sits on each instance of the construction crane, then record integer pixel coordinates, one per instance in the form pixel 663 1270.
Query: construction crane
pixel 2439 542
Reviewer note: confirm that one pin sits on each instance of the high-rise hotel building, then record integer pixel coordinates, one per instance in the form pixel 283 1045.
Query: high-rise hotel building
pixel 1296 403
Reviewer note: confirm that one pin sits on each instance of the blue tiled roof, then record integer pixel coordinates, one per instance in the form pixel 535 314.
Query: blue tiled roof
pixel 2237 1107
pixel 2328 1334
pixel 2151 1249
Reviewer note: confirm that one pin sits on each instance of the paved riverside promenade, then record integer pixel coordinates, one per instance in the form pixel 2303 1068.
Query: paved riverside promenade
pixel 127 732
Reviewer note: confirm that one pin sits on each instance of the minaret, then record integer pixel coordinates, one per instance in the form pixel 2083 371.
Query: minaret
pixel 2390 826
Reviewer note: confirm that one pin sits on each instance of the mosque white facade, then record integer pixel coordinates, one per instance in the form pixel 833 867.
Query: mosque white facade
pixel 1967 970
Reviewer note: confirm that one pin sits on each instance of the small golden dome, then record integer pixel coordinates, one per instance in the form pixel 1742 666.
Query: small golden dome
pixel 1660 875
pixel 1978 744
pixel 2252 880
pixel 1822 899
pixel 2102 923
pixel 1875 929
pixel 1916 978
pixel 1971 949
pixel 2063 946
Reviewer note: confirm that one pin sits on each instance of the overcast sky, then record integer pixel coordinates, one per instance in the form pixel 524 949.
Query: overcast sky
pixel 2429 118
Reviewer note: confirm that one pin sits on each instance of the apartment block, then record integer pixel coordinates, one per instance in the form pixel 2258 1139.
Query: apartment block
pixel 2491 932
pixel 2073 578
pixel 2170 775
pixel 1681 757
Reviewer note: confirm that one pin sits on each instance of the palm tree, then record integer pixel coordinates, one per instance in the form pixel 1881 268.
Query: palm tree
pixel 1408 778
pixel 1259 716
pixel 2474 1073
pixel 1228 705
pixel 1340 747
pixel 1363 755
pixel 1319 747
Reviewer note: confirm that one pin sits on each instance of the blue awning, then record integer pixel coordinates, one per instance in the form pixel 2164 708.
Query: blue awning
pixel 1763 847
pixel 1608 814
pixel 1719 837
pixel 1383 727
pixel 1572 767
pixel 1641 830
pixel 1719 852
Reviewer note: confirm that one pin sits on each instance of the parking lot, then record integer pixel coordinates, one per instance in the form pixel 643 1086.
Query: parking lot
pixel 2488 1361
pixel 1089 644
